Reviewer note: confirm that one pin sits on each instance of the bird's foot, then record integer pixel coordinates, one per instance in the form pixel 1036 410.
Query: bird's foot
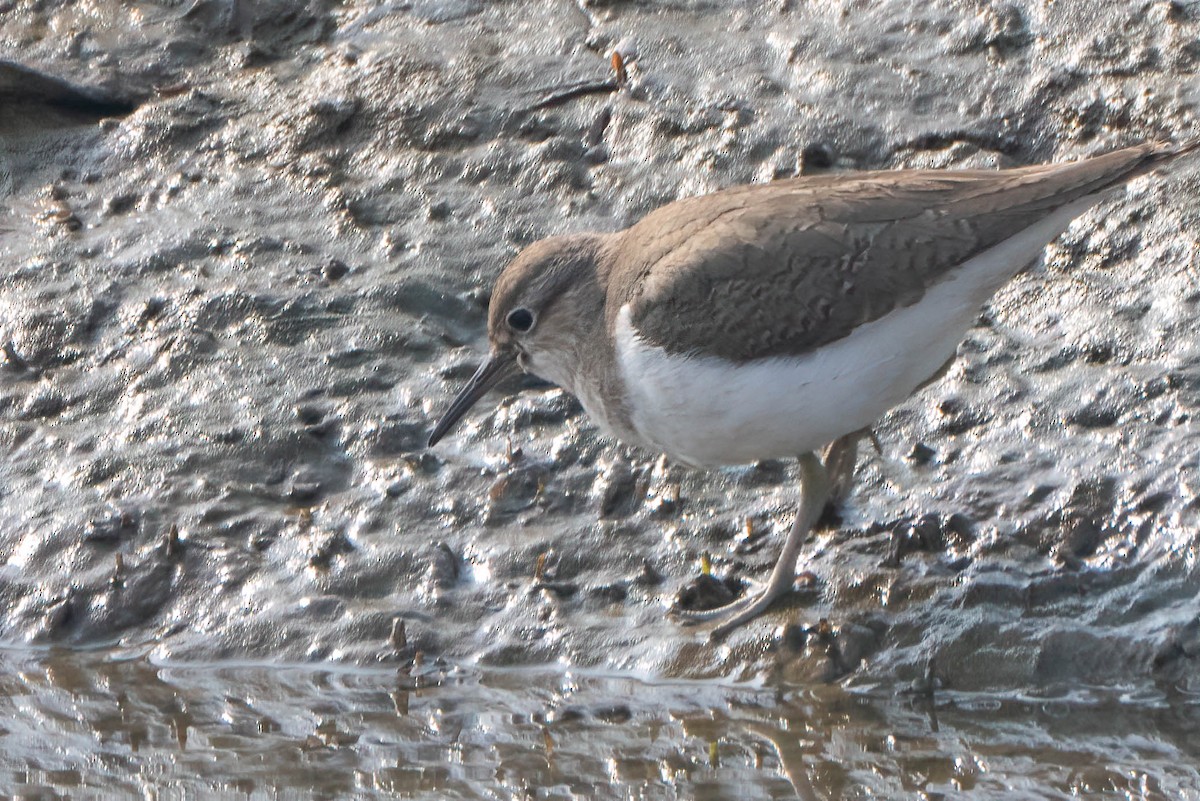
pixel 754 601
pixel 814 491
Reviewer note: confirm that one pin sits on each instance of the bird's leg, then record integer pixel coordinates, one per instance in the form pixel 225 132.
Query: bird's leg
pixel 839 458
pixel 814 490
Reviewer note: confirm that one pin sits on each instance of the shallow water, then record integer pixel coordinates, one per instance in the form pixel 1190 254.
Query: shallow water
pixel 228 317
pixel 77 723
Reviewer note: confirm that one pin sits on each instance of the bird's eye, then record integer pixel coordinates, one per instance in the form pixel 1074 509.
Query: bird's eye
pixel 520 320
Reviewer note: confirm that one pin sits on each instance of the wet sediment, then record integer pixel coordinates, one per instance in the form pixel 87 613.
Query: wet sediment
pixel 233 301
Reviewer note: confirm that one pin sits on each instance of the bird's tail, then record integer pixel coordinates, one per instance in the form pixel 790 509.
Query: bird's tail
pixel 1121 166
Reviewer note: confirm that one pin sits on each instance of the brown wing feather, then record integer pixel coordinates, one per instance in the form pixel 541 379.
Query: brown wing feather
pixel 783 268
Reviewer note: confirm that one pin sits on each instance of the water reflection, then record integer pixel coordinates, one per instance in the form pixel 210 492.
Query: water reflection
pixel 89 721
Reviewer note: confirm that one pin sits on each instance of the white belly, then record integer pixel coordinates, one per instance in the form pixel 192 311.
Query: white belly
pixel 708 411
pixel 704 410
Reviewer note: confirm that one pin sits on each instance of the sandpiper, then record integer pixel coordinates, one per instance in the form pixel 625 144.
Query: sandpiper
pixel 779 320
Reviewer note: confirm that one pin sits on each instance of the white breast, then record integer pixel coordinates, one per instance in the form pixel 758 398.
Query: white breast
pixel 704 410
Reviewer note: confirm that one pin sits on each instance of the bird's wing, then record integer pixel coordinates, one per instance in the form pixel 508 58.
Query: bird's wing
pixel 784 268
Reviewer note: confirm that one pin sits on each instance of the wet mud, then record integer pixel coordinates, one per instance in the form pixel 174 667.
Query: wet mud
pixel 88 724
pixel 245 255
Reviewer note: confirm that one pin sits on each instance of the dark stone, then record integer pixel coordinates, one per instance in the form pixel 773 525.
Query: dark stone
pixel 929 533
pixel 817 156
pixel 334 270
pixel 706 591
pixel 445 566
pixel 921 454
pixel 959 530
pixel 120 204
pixel 619 496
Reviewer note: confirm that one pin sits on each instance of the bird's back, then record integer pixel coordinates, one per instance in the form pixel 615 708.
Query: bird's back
pixel 781 269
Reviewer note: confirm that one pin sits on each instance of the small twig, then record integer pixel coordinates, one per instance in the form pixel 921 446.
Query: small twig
pixel 619 81
pixel 572 92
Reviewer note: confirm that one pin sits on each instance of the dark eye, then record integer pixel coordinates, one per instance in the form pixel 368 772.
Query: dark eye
pixel 520 320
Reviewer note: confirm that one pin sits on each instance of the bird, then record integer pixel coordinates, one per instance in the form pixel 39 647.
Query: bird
pixel 779 320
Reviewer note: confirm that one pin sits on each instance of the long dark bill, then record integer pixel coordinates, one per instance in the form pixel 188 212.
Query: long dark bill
pixel 497 367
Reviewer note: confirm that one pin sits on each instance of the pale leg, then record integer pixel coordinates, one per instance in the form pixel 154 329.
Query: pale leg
pixel 814 491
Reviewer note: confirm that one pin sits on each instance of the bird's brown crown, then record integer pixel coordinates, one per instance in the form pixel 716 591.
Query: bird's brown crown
pixel 531 289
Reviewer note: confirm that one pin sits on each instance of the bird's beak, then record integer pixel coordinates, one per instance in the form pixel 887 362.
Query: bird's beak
pixel 498 366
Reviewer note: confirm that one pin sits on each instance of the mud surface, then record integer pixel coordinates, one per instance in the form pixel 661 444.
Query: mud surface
pixel 91 726
pixel 245 251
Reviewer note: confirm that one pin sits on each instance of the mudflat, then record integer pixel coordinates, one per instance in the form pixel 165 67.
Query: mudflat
pixel 245 252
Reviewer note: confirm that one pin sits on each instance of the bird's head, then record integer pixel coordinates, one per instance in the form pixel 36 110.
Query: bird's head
pixel 543 307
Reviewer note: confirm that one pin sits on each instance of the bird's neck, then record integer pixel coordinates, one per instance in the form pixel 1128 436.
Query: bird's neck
pixel 593 373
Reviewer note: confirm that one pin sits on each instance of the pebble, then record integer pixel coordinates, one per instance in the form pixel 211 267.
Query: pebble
pixel 706 591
